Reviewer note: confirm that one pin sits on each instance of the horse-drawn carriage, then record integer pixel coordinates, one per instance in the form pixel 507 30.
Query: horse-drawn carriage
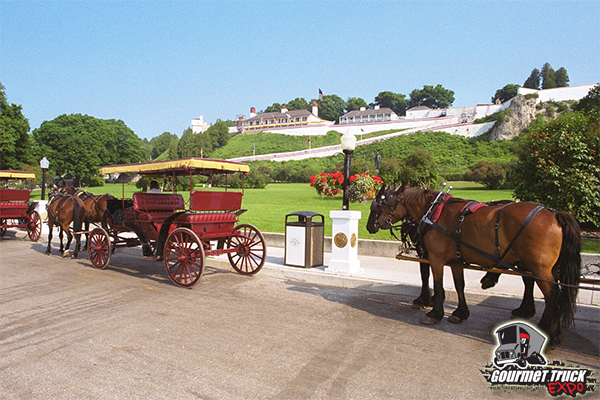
pixel 16 210
pixel 180 234
pixel 528 239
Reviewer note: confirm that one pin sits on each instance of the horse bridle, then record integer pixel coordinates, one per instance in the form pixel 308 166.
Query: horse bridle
pixel 381 201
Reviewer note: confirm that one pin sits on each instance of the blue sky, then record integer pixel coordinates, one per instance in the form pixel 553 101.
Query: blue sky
pixel 158 64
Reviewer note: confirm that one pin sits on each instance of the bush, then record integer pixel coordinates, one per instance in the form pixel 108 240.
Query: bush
pixel 558 166
pixel 492 175
pixel 328 184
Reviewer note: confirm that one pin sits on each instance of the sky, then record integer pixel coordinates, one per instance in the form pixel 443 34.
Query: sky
pixel 156 65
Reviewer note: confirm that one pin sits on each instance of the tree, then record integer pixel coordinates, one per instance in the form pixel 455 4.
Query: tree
pixel 506 93
pixel 273 108
pixel 419 169
pixel 162 143
pixel 590 101
pixel 219 134
pixel 299 103
pixel 432 97
pixel 561 77
pixel 548 77
pixel 533 82
pixel 493 175
pixel 331 107
pixel 396 101
pixel 558 165
pixel 78 145
pixel 355 103
pixel 189 144
pixel 14 135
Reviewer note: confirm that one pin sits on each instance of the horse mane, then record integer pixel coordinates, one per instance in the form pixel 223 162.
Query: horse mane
pixel 416 196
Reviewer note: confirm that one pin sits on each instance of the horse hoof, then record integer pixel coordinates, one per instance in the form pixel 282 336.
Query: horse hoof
pixel 455 320
pixel 487 283
pixel 66 254
pixel 428 320
pixel 419 304
pixel 520 313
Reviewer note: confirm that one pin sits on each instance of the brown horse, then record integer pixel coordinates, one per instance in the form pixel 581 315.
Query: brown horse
pixel 62 210
pixel 544 243
pixel 95 207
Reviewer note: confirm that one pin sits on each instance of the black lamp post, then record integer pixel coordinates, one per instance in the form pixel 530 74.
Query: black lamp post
pixel 44 164
pixel 348 146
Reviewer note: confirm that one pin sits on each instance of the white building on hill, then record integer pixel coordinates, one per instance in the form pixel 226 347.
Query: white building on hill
pixel 294 122
pixel 199 125
pixel 365 116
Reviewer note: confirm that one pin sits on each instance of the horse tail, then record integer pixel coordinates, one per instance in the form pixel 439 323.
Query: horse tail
pixel 77 215
pixel 569 264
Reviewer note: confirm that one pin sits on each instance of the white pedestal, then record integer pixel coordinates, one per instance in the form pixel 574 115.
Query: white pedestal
pixel 344 246
pixel 41 209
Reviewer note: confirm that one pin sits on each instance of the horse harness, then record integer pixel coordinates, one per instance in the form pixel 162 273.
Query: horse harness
pixel 433 214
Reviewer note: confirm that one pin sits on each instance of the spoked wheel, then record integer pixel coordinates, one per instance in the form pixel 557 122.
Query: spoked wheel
pixel 251 249
pixel 2 228
pixel 34 226
pixel 99 248
pixel 184 257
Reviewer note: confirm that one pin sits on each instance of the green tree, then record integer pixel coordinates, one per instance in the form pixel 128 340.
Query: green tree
pixel 14 135
pixel 506 93
pixel 331 107
pixel 162 143
pixel 533 82
pixel 559 165
pixel 432 97
pixel 590 102
pixel 273 108
pixel 189 144
pixel 299 103
pixel 219 134
pixel 561 77
pixel 355 103
pixel 419 169
pixel 78 145
pixel 493 175
pixel 548 77
pixel 396 101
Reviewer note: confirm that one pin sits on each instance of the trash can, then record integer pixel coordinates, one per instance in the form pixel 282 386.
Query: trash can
pixel 304 239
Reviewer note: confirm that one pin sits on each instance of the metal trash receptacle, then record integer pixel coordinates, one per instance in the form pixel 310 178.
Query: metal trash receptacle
pixel 304 239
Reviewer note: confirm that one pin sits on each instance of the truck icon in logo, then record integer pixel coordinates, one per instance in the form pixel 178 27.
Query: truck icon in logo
pixel 519 344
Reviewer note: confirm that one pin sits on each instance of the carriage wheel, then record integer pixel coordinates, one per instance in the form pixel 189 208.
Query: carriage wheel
pixel 184 257
pixel 99 248
pixel 34 226
pixel 2 228
pixel 251 249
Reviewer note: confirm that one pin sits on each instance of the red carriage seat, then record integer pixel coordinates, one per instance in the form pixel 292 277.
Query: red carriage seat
pixel 13 203
pixel 154 207
pixel 216 212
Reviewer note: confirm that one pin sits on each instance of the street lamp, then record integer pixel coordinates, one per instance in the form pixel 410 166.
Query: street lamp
pixel 44 164
pixel 348 146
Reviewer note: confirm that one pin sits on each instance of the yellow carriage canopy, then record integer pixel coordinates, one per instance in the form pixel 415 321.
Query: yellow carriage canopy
pixel 16 175
pixel 184 166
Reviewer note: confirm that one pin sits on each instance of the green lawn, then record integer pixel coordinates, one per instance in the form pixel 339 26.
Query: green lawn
pixel 268 207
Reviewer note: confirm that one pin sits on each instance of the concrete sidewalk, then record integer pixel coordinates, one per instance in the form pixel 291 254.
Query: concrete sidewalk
pixel 386 274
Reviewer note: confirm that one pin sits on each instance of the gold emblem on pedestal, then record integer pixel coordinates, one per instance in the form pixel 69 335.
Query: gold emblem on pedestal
pixel 340 240
pixel 353 240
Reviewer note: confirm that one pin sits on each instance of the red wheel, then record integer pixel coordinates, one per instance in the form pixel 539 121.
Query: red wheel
pixel 2 228
pixel 251 249
pixel 184 257
pixel 99 248
pixel 34 226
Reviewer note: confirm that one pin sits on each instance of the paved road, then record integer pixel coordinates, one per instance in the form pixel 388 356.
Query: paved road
pixel 68 331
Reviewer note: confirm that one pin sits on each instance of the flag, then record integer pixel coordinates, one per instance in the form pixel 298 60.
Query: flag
pixel 321 94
